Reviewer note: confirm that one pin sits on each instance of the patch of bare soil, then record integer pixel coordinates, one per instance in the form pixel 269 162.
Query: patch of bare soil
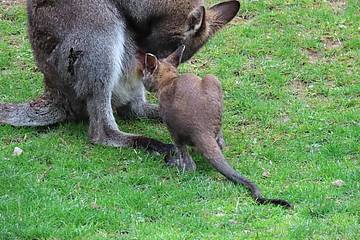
pixel 313 55
pixel 9 3
pixel 299 88
pixel 338 5
pixel 331 43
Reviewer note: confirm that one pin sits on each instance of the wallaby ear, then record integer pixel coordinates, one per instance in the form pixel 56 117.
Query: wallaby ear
pixel 195 21
pixel 176 57
pixel 151 63
pixel 222 13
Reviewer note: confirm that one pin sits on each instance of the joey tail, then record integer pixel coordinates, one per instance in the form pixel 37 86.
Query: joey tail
pixel 213 154
pixel 42 112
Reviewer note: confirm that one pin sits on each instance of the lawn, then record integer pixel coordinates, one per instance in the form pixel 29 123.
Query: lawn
pixel 291 76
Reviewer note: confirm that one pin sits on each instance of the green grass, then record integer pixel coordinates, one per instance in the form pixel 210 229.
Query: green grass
pixel 291 75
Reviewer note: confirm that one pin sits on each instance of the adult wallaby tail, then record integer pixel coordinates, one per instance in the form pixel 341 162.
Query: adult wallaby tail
pixel 213 154
pixel 41 112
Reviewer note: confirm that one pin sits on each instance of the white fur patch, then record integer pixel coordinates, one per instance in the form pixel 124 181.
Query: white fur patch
pixel 127 87
pixel 118 54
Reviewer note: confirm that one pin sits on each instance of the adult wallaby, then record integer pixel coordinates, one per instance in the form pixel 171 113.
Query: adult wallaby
pixel 86 50
pixel 192 110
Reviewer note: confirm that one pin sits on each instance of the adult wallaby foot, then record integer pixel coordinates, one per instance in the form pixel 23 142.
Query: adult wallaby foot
pixel 116 138
pixel 182 160
pixel 42 112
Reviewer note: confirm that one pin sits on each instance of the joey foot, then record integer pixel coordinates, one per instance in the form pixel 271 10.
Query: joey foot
pixel 182 164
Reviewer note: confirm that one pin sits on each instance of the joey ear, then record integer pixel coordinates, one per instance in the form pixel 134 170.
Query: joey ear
pixel 151 63
pixel 176 57
pixel 195 21
pixel 222 13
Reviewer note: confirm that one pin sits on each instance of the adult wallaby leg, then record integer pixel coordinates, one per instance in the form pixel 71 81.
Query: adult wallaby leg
pixel 96 74
pixel 44 111
pixel 104 130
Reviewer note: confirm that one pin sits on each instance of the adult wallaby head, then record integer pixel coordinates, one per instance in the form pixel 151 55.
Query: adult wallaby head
pixel 190 29
pixel 155 71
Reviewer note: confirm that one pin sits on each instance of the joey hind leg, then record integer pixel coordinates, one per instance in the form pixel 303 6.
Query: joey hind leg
pixel 182 159
pixel 219 140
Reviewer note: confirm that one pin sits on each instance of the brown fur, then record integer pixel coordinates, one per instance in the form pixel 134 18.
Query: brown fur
pixel 192 110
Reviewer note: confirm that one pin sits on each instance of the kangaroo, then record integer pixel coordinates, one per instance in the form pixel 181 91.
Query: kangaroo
pixel 192 110
pixel 86 50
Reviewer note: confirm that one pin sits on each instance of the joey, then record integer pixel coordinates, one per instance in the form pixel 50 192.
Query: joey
pixel 192 110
